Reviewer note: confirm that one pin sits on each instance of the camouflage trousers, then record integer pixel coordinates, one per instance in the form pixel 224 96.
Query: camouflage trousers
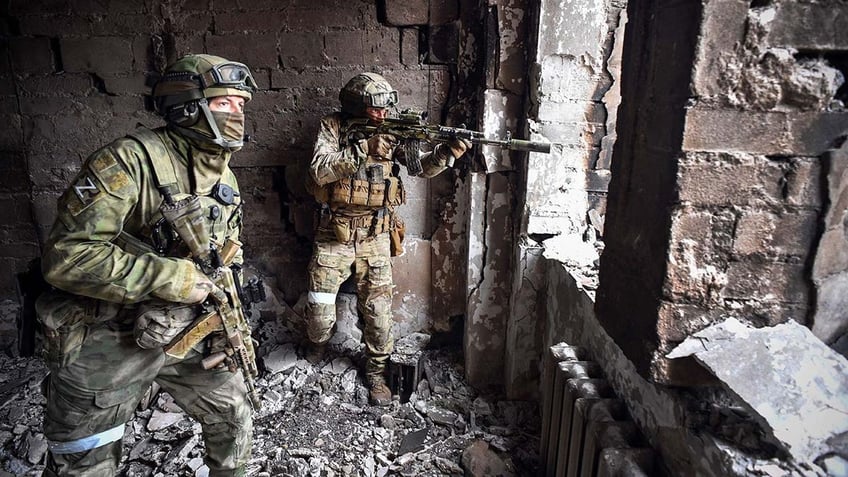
pixel 98 392
pixel 368 260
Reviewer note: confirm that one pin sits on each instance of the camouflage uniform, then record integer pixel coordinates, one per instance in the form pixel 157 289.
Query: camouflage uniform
pixel 101 257
pixel 353 234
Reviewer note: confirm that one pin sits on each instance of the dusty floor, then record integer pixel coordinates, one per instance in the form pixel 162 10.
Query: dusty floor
pixel 315 420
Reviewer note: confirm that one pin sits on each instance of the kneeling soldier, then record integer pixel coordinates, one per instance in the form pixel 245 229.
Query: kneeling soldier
pixel 124 287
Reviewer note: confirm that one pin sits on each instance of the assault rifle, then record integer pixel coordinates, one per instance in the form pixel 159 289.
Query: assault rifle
pixel 410 128
pixel 223 311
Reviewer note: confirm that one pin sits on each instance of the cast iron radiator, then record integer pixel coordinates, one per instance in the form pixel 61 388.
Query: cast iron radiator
pixel 585 429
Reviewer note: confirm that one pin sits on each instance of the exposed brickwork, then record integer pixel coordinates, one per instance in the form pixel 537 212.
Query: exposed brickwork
pixel 747 176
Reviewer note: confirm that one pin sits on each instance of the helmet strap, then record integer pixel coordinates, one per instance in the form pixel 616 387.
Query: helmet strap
pixel 216 139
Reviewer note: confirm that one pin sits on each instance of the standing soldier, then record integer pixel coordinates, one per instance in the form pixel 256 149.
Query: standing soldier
pixel 123 287
pixel 357 181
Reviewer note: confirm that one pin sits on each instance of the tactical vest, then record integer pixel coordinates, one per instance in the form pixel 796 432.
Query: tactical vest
pixel 375 184
pixel 222 206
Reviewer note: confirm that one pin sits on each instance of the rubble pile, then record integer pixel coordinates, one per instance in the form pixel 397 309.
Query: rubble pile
pixel 315 420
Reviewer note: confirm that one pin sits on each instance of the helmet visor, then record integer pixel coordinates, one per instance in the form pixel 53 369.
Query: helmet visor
pixel 383 100
pixel 229 75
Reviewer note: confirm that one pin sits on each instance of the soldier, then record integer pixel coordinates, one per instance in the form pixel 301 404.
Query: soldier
pixel 357 181
pixel 122 290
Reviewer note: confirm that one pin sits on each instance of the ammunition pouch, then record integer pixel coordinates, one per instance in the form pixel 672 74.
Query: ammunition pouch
pixel 159 322
pixel 320 193
pixel 65 319
pixel 342 228
pixel 345 227
pixel 367 192
pixel 397 230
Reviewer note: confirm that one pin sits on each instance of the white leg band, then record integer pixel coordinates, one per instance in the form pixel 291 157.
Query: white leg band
pixel 321 297
pixel 87 443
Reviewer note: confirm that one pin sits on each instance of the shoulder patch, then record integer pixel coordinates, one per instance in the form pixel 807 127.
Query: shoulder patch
pixel 86 191
pixel 111 173
pixel 101 176
pixel 103 162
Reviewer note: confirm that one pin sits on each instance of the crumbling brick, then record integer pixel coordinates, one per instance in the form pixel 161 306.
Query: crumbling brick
pixel 809 26
pixel 409 55
pixel 299 50
pixel 345 47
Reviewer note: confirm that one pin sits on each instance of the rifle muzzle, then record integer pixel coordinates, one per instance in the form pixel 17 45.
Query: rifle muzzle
pixel 532 146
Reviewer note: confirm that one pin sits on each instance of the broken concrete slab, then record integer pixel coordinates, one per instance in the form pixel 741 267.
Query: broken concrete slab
pixel 794 384
pixel 281 359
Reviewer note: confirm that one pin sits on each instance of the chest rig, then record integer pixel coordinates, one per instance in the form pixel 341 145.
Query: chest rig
pixel 375 184
pixel 220 211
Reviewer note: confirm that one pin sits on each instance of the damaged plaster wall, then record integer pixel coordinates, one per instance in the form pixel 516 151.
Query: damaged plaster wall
pixel 492 197
pixel 734 192
pixel 768 225
pixel 572 102
pixel 716 208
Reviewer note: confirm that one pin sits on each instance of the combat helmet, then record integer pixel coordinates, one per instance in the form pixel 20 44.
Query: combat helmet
pixel 181 95
pixel 367 90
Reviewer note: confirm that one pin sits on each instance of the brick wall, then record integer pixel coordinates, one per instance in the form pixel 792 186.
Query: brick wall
pixel 717 193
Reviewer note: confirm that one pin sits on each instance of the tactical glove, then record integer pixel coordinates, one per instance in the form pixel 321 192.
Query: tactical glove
pixel 159 322
pixel 200 289
pixel 380 145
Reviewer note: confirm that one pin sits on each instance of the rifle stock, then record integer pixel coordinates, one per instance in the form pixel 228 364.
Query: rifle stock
pixel 227 316
pixel 190 337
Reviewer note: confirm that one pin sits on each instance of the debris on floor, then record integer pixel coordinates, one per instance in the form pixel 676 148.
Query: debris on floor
pixel 315 419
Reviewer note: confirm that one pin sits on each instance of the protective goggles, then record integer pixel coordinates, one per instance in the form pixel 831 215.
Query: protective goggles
pixel 383 100
pixel 228 75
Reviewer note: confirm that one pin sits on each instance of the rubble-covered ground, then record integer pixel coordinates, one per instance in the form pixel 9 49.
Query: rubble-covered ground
pixel 315 420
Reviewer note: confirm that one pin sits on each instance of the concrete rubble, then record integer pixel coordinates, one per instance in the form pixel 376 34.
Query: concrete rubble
pixel 792 383
pixel 315 419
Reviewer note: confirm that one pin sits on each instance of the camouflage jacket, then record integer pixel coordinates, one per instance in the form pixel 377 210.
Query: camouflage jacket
pixel 100 244
pixel 336 158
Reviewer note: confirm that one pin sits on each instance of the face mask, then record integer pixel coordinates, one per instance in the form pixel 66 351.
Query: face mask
pixel 231 125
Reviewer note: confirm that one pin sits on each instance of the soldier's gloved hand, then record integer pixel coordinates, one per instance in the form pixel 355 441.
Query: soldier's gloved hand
pixel 159 322
pixel 458 147
pixel 380 145
pixel 345 168
pixel 201 288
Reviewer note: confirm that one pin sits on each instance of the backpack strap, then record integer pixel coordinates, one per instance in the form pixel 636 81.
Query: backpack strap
pixel 161 159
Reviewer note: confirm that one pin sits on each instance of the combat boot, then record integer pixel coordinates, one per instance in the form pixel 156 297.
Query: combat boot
pixel 379 392
pixel 315 352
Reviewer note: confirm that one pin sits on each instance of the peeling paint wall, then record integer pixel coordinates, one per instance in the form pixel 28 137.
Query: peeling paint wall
pixel 572 101
pixel 489 277
pixel 718 174
pixel 571 79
